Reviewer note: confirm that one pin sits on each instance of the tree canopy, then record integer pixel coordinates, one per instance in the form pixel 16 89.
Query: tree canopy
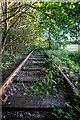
pixel 49 22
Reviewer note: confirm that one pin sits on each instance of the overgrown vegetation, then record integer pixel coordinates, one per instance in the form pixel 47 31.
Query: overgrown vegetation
pixel 60 114
pixel 68 63
pixel 47 85
pixel 50 25
pixel 35 21
pixel 53 84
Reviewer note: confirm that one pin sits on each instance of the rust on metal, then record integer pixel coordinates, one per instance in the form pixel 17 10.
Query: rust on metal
pixel 8 81
pixel 70 83
pixel 66 78
pixel 5 99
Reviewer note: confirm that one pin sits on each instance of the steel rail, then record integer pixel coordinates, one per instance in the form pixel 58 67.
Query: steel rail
pixel 9 80
pixel 66 78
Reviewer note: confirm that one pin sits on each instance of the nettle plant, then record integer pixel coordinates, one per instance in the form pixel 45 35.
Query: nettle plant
pixel 48 84
pixel 69 114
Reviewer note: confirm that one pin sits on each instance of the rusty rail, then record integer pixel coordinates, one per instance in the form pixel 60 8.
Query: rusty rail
pixel 66 78
pixel 8 81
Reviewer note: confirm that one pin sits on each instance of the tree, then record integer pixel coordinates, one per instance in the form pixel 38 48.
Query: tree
pixel 56 18
pixel 15 11
pixel 61 18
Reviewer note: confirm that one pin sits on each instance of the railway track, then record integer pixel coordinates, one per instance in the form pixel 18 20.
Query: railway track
pixel 18 105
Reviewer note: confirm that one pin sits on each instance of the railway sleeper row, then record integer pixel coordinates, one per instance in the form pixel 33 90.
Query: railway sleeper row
pixel 17 101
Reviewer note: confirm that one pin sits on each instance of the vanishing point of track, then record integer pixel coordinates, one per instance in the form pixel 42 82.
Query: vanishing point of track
pixel 30 69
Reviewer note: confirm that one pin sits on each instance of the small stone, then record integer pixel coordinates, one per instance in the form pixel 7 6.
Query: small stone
pixel 4 116
pixel 38 116
pixel 54 96
pixel 17 113
pixel 14 89
pixel 11 89
pixel 9 103
pixel 26 113
pixel 18 78
pixel 11 93
pixel 29 114
pixel 21 115
pixel 33 115
pixel 19 89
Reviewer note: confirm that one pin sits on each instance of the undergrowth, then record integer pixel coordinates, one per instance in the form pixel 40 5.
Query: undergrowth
pixel 61 114
pixel 48 84
pixel 53 84
pixel 68 62
pixel 8 58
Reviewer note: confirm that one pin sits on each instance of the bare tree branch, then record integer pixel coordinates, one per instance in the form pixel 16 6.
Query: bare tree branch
pixel 33 8
pixel 3 39
pixel 11 16
pixel 42 12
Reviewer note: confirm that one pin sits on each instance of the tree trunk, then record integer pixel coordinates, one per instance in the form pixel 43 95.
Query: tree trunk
pixel 5 26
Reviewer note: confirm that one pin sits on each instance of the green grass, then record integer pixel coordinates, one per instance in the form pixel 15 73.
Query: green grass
pixel 71 47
